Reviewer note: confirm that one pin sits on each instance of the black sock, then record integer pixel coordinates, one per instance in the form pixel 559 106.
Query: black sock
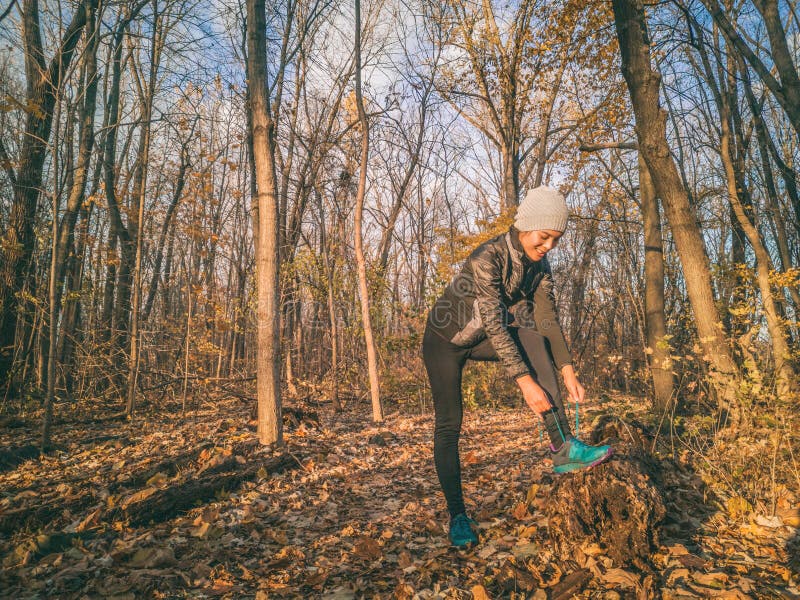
pixel 557 427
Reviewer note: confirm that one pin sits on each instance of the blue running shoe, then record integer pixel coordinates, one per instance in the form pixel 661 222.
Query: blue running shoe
pixel 461 533
pixel 574 455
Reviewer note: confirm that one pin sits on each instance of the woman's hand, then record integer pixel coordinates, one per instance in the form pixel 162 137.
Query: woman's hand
pixel 574 387
pixel 534 394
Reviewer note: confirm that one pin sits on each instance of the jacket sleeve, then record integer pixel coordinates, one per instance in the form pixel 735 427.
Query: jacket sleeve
pixel 487 274
pixel 546 318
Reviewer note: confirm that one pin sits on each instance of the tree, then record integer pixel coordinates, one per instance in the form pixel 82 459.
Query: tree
pixel 786 89
pixel 372 359
pixel 270 427
pixel 736 188
pixel 643 84
pixel 43 85
pixel 499 78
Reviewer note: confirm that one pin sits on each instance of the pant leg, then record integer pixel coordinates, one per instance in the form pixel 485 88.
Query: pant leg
pixel 533 348
pixel 444 363
pixel 537 355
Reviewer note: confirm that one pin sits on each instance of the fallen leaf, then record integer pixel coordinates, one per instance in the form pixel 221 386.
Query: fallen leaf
pixel 404 560
pixel 157 479
pixel 137 497
pixel 470 458
pixel 592 549
pixel 367 548
pixel 771 522
pixel 221 585
pixel 571 585
pixel 738 507
pixel 91 519
pixel 621 578
pixel 676 575
pixel 677 550
pixel 523 551
pixel 150 558
pixel 479 593
pixel 790 516
pixel 532 492
pixel 693 562
pixel 520 511
pixel 286 556
pixel 715 579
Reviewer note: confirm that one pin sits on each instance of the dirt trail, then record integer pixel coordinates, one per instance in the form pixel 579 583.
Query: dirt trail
pixel 354 512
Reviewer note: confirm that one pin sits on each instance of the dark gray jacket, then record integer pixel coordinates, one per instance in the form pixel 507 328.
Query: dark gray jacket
pixel 498 285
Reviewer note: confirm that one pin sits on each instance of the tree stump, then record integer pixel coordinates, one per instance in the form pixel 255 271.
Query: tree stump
pixel 617 505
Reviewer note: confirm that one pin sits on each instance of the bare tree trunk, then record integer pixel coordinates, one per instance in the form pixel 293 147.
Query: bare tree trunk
pixel 372 361
pixel 785 372
pixel 52 307
pixel 147 94
pixel 655 321
pixel 117 310
pixel 180 182
pixel 331 301
pixel 270 429
pixel 510 157
pixel 787 90
pixel 106 313
pixel 643 83
pixel 16 246
pixel 736 188
pixel 762 135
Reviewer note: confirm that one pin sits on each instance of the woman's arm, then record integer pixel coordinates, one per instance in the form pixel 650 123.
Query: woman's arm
pixel 488 281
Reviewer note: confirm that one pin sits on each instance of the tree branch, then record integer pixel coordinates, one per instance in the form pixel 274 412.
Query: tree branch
pixel 6 163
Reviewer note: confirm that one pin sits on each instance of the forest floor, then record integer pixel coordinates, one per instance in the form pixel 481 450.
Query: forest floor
pixel 172 507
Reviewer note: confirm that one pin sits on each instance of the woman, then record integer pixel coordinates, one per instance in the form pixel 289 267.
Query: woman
pixel 473 320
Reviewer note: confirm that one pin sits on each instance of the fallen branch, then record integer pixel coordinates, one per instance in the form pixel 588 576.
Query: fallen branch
pixel 167 503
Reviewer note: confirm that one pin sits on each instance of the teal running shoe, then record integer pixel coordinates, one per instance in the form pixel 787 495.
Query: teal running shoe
pixel 574 455
pixel 461 533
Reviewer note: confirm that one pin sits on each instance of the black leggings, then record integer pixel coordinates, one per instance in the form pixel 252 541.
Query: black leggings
pixel 445 362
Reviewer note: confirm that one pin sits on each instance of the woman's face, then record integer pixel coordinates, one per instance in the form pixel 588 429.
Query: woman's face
pixel 539 242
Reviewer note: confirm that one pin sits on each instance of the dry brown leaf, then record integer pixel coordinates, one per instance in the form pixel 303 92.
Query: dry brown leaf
pixel 715 579
pixel 677 550
pixel 731 594
pixel 404 560
pixel 524 551
pixel 790 516
pixel 470 458
pixel 693 562
pixel 150 558
pixel 137 497
pixel 286 556
pixel 403 592
pixel 532 492
pixel 769 522
pixel 367 548
pixel 157 479
pixel 479 593
pixel 676 575
pixel 91 519
pixel 738 507
pixel 592 549
pixel 520 511
pixel 621 578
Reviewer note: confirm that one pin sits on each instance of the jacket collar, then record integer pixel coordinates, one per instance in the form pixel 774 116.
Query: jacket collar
pixel 516 246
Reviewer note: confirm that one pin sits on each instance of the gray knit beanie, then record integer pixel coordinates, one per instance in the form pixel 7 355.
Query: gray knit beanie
pixel 542 208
